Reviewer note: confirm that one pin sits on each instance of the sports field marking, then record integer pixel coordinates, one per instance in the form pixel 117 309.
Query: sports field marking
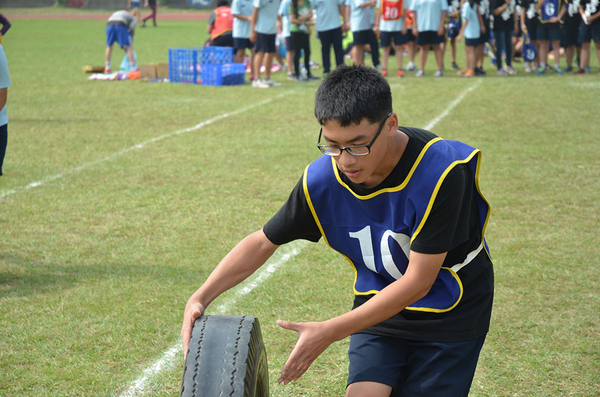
pixel 171 356
pixel 138 146
pixel 452 105
pixel 288 251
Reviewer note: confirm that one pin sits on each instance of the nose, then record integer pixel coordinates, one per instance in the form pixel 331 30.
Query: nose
pixel 345 159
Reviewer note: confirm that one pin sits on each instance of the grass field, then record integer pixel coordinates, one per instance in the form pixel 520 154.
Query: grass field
pixel 120 197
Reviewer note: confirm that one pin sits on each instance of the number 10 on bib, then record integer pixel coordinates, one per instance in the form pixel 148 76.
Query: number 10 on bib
pixel 392 10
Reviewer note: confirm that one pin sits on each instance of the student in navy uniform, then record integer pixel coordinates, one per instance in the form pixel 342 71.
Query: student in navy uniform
pixel 404 208
pixel 505 24
pixel 453 27
pixel 589 30
pixel 551 12
pixel 483 7
pixel 529 20
pixel 570 34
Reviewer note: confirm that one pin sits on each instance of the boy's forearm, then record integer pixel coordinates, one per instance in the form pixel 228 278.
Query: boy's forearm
pixel 243 260
pixel 412 286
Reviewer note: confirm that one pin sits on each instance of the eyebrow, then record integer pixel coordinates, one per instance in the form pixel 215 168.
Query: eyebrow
pixel 355 139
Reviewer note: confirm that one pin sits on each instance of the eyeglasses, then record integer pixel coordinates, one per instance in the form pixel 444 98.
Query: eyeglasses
pixel 354 150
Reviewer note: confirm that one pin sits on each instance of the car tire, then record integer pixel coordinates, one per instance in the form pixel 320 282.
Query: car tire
pixel 226 357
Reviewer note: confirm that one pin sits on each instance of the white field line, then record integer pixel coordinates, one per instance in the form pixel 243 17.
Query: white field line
pixel 452 105
pixel 138 146
pixel 173 355
pixel 169 357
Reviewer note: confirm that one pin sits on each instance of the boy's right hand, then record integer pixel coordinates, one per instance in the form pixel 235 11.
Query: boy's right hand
pixel 193 310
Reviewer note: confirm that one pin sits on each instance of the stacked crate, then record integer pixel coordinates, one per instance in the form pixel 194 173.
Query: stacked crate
pixel 205 65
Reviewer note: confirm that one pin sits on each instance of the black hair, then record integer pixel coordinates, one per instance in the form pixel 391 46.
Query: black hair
pixel 351 94
pixel 223 3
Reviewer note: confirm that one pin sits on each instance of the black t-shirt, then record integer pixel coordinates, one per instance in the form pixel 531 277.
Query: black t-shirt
pixel 452 226
pixel 529 6
pixel 505 20
pixel 572 17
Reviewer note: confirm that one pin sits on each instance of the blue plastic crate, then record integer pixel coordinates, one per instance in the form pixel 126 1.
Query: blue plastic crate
pixel 216 55
pixel 185 64
pixel 223 74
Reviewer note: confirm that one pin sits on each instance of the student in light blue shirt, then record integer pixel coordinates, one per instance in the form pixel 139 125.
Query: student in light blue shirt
pixel 330 29
pixel 242 11
pixel 4 84
pixel 428 27
pixel 472 31
pixel 283 25
pixel 263 30
pixel 360 14
pixel 391 26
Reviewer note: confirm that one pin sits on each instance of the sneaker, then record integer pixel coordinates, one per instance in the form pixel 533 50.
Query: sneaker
pixel 438 73
pixel 107 70
pixel 481 71
pixel 541 70
pixel 411 67
pixel 400 73
pixel 420 73
pixel 313 77
pixel 260 83
pixel 143 24
pixel 558 71
pixel 527 69
pixel 501 72
pixel 569 68
pixel 379 67
pixel 301 79
pixel 477 72
pixel 455 66
pixel 511 70
pixel 271 83
pixel 466 73
pixel 588 69
pixel 580 71
pixel 291 76
pixel 384 72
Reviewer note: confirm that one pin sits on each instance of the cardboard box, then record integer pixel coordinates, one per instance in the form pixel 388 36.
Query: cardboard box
pixel 162 70
pixel 148 71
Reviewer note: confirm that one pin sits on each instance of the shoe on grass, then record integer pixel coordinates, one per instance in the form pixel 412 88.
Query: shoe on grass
pixel 271 83
pixel 420 73
pixel 259 83
pixel 438 73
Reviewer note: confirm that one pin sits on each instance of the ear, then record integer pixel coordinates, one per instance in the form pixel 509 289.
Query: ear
pixel 392 124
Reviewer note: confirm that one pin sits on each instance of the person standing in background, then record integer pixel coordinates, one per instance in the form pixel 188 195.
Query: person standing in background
pixel 4 84
pixel 153 4
pixel 5 26
pixel 330 30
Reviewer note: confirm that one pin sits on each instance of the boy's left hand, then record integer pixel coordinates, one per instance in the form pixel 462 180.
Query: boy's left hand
pixel 313 339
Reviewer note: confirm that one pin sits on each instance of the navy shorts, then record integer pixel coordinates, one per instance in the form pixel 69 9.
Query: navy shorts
pixel 570 36
pixel 242 43
pixel 398 37
pixel 548 31
pixel 265 43
pixel 289 45
pixel 532 26
pixel 472 42
pixel 485 38
pixel 414 368
pixel 587 33
pixel 429 37
pixel 118 33
pixel 361 37
pixel 410 36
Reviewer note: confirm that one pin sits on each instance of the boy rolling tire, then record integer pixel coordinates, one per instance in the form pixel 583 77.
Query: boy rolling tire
pixel 226 357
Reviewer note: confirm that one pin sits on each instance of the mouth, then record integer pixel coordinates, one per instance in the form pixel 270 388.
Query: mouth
pixel 352 173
